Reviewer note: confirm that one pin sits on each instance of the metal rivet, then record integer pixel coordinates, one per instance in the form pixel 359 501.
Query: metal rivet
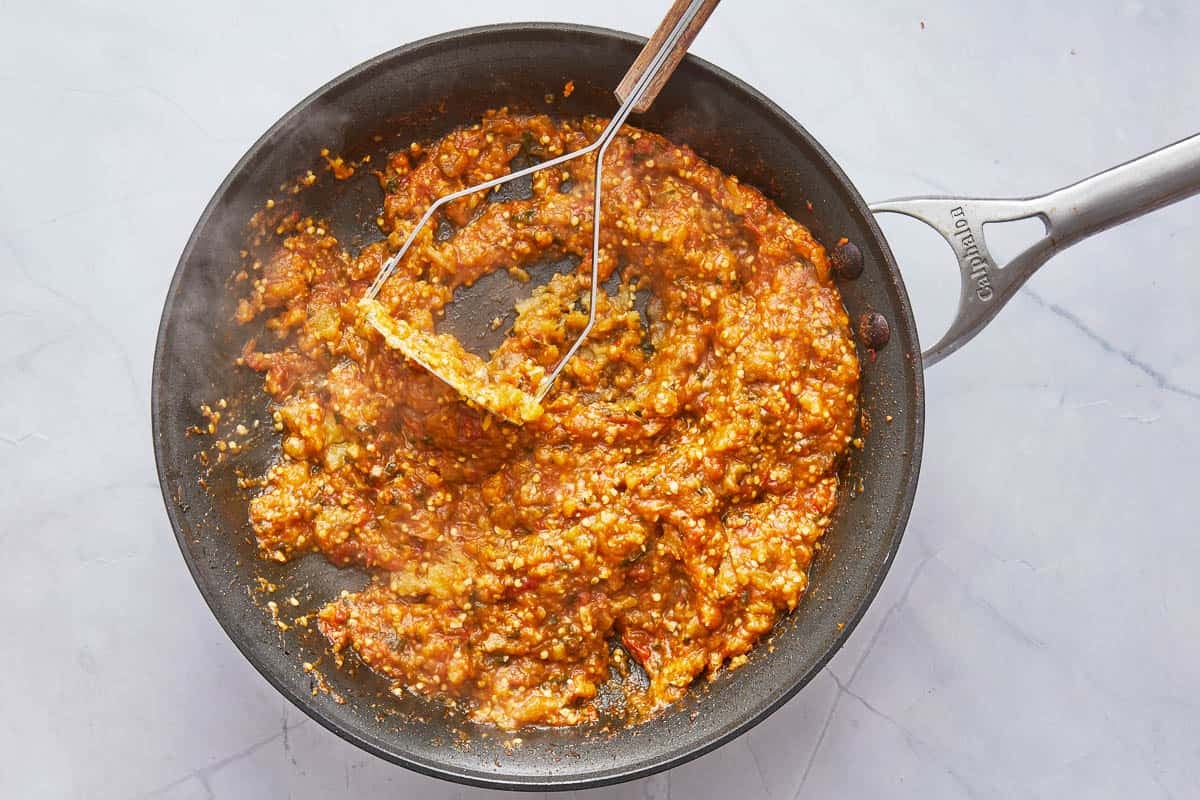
pixel 847 261
pixel 873 330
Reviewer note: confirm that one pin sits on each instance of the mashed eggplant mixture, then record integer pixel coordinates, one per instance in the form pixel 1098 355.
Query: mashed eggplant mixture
pixel 662 506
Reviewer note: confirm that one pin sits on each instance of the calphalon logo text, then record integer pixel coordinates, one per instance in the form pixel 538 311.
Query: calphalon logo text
pixel 970 252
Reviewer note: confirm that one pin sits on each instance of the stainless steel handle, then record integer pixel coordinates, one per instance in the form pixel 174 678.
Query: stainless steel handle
pixel 1070 214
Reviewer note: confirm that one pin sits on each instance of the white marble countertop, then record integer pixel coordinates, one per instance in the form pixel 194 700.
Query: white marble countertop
pixel 1039 633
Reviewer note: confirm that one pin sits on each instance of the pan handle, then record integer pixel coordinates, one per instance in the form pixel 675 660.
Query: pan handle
pixel 1070 214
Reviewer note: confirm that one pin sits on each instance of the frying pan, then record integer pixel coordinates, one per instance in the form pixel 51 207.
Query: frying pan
pixel 421 91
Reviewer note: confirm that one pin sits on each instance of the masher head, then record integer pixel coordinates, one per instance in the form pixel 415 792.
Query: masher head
pixel 442 355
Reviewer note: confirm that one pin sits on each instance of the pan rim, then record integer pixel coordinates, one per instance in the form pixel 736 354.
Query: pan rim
pixel 901 509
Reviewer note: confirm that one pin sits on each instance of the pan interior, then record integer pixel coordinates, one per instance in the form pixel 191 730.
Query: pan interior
pixel 419 92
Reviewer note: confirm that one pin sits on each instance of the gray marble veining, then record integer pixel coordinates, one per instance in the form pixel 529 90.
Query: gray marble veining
pixel 1039 633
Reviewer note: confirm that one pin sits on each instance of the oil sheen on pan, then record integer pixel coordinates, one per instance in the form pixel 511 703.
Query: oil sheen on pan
pixel 661 509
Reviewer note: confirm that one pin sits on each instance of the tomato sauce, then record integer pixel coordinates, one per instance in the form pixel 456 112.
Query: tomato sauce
pixel 662 506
